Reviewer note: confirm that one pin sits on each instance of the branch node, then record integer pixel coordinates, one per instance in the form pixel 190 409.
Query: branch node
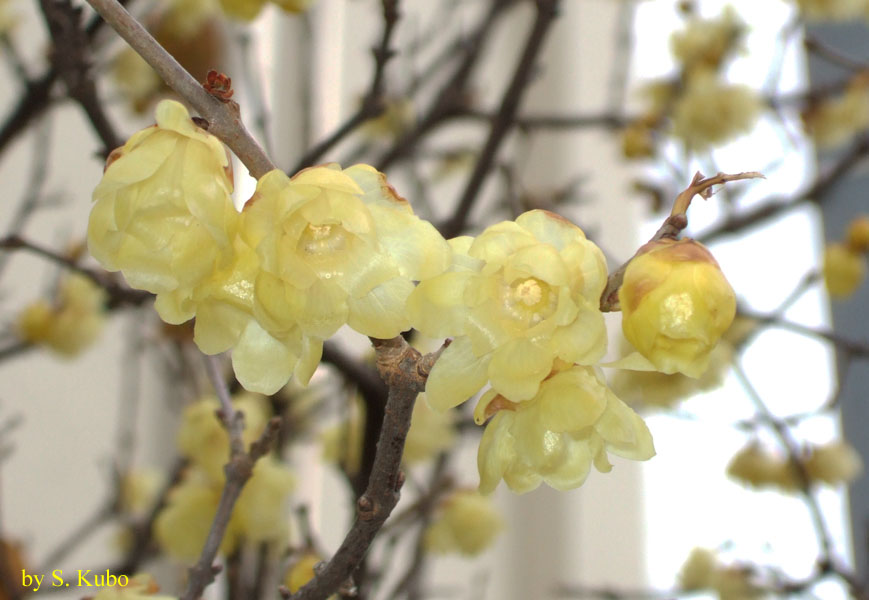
pixel 366 508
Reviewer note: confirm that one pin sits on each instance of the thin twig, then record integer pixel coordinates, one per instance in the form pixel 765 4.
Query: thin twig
pixel 223 118
pixel 398 365
pixel 372 105
pixel 547 10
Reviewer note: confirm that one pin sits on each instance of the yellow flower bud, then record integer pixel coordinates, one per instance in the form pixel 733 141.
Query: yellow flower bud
pixel 675 305
pixel 467 523
pixel 857 238
pixel 139 489
pixel 831 10
pixel 844 270
pixel 182 526
pixel 836 119
pixel 162 213
pixel 571 423
pixel 833 463
pixel 71 323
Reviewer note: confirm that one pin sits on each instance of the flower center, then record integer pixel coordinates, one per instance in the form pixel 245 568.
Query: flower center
pixel 528 292
pixel 322 239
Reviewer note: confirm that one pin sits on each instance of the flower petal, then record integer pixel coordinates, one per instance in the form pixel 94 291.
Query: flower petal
pixel 456 376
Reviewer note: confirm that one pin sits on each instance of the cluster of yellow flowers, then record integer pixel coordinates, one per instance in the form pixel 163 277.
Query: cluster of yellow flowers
pixel 704 571
pixel 845 263
pixel 704 110
pixel 70 322
pixel 832 464
pixel 331 247
pixel 258 516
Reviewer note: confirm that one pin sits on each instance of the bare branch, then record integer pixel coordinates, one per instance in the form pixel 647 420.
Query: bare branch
pixel 223 118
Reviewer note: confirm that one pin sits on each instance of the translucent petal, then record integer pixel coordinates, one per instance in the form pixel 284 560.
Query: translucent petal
pixel 320 310
pixel 327 176
pixel 550 228
pixel 311 353
pixel 436 307
pixel 175 307
pixel 456 376
pixel 518 367
pixel 571 401
pixel 415 245
pixel 588 272
pixel 496 452
pixel 584 341
pixel 262 363
pixel 624 432
pixel 380 313
pixel 573 472
pixel 540 261
pixel 218 326
pixel 499 242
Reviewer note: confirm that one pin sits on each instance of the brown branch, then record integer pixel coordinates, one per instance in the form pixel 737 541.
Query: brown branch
pixel 547 10
pixel 71 59
pixel 452 95
pixel 238 471
pixel 372 105
pixel 398 364
pixel 119 295
pixel 851 347
pixel 223 118
pixel 778 205
pixel 672 226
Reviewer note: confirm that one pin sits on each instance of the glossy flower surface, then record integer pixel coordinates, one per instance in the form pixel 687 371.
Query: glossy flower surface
pixel 676 304
pixel 335 247
pixel 162 213
pixel 518 297
pixel 572 423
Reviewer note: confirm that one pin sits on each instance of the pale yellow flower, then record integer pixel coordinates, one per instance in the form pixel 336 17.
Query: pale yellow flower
pixel 138 587
pixel 247 10
pixel 698 570
pixel 68 324
pixel 466 522
pixel 836 120
pixel 758 467
pixel 572 423
pixel 139 489
pixel 710 113
pixel 335 247
pixel 707 43
pixel 833 463
pixel 261 513
pixel 518 297
pixel 205 441
pixel 675 305
pixel 182 525
pixel 162 213
pixel 844 270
